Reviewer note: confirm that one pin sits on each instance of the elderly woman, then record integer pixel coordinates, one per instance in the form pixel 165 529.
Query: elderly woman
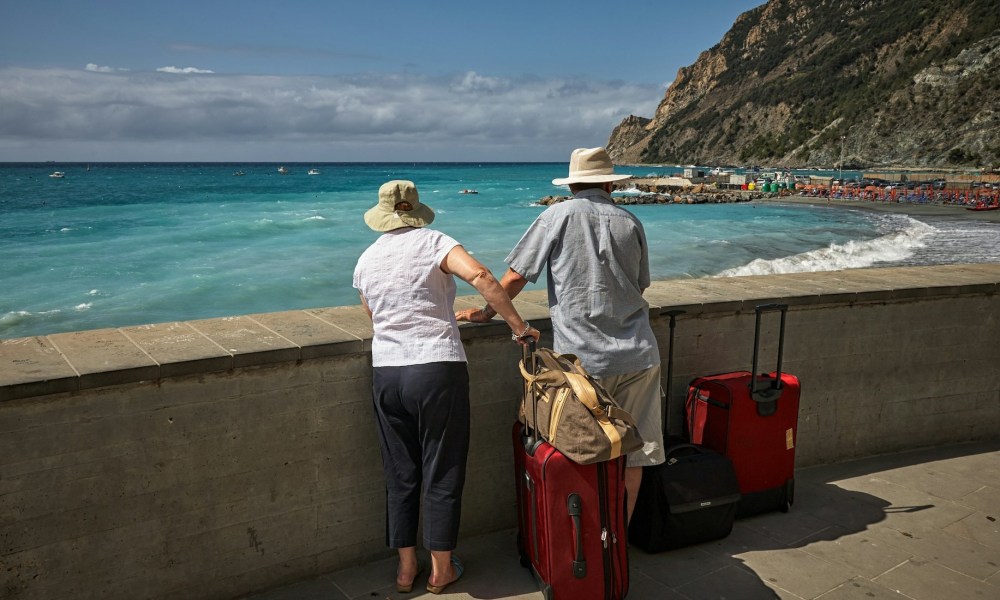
pixel 420 383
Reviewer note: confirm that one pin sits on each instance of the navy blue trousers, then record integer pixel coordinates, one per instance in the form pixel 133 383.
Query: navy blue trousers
pixel 423 425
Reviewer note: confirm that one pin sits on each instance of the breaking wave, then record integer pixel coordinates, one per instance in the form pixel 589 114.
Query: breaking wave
pixel 893 247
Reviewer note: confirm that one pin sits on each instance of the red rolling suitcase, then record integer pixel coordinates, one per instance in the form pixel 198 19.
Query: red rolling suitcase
pixel 571 521
pixel 753 421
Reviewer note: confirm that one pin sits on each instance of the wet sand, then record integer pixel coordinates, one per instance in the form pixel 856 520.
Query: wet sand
pixel 907 208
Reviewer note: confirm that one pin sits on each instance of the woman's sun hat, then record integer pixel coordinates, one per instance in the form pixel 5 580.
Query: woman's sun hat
pixel 590 165
pixel 384 217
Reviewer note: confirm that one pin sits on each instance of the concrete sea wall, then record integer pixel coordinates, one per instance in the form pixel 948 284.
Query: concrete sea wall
pixel 209 459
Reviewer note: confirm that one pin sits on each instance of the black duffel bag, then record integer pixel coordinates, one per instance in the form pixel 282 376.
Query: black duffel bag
pixel 689 499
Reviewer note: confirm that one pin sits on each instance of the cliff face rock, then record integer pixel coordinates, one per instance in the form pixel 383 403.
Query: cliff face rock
pixel 628 140
pixel 799 83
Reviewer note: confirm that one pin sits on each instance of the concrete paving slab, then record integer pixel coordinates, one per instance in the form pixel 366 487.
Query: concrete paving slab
pixel 33 366
pixel 971 277
pixel 881 540
pixel 352 319
pixel 693 296
pixel 914 286
pixel 788 528
pixel 105 357
pixel 529 306
pixel 314 589
pixel 926 580
pixel 856 550
pixel 872 287
pixel 314 336
pixel 908 506
pixel 985 499
pixel 489 574
pixel 732 583
pixel 981 528
pixel 838 507
pixel 793 291
pixel 677 567
pixel 958 554
pixel 752 290
pixel 827 286
pixel 862 589
pixel 741 540
pixel 641 585
pixel 179 349
pixel 979 467
pixel 796 571
pixel 249 342
pixel 536 297
pixel 932 480
pixel 369 578
pixel 493 577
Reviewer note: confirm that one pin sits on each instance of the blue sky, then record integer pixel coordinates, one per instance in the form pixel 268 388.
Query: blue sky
pixel 369 80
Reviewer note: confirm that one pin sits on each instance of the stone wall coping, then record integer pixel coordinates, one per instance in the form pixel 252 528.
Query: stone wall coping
pixel 75 361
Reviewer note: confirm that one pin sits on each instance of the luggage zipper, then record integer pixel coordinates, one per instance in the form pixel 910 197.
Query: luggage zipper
pixel 602 497
pixel 615 555
pixel 556 414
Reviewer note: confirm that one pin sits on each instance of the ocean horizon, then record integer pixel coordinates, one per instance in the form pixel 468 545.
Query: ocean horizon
pixel 121 244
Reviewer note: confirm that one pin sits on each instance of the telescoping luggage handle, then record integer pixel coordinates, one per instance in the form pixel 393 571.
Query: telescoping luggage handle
pixel 767 397
pixel 531 438
pixel 673 314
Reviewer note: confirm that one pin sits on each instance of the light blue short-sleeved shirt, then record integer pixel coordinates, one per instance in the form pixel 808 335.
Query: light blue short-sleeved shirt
pixel 597 263
pixel 410 297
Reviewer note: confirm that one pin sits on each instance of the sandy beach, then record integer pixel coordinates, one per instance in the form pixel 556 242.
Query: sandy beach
pixel 908 208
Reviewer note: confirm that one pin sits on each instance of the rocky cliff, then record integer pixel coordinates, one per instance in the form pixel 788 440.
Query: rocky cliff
pixel 865 83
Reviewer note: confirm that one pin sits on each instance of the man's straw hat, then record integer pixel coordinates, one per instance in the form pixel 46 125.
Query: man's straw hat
pixel 590 165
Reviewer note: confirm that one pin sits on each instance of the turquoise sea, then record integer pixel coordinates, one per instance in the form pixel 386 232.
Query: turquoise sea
pixel 112 245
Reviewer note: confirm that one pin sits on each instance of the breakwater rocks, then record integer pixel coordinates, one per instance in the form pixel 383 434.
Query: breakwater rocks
pixel 715 197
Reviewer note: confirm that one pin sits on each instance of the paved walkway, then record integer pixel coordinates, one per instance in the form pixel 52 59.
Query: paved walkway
pixel 920 525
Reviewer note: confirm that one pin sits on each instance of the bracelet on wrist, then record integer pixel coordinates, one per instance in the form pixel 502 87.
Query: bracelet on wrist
pixel 527 328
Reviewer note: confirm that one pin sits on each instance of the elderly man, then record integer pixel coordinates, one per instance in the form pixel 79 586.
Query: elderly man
pixel 597 261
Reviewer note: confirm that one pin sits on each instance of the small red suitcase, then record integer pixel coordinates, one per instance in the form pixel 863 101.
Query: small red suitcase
pixel 753 421
pixel 571 521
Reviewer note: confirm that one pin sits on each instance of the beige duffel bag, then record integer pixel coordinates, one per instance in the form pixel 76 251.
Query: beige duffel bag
pixel 572 411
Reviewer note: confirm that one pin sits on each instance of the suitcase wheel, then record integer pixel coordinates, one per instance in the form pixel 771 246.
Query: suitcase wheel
pixel 521 555
pixel 789 496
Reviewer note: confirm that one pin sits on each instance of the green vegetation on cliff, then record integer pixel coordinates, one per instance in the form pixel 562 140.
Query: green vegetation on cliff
pixel 821 81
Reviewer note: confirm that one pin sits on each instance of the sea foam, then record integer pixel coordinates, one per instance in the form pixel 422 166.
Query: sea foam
pixel 890 248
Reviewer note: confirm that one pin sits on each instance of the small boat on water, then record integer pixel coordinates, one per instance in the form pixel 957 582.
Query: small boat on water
pixel 57 175
pixel 238 173
pixel 283 170
pixel 983 207
pixel 468 192
pixel 314 171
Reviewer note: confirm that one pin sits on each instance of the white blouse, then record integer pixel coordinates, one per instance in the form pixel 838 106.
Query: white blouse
pixel 410 297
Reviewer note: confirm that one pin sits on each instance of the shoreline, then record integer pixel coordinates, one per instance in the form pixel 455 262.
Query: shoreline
pixel 906 208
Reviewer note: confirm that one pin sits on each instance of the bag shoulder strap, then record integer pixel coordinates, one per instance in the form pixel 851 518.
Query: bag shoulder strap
pixel 584 392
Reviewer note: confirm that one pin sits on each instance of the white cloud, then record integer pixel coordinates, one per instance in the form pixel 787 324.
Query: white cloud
pixel 153 116
pixel 472 82
pixel 184 70
pixel 99 69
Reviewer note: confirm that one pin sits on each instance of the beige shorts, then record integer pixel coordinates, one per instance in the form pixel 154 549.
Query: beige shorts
pixel 641 395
